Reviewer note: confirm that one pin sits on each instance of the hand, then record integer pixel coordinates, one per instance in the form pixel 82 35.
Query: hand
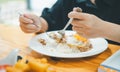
pixel 87 25
pixel 30 23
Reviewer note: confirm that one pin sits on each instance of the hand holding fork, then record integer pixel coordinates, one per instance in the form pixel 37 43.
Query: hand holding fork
pixel 62 32
pixel 30 23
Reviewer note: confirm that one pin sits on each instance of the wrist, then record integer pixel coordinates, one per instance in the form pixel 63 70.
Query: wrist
pixel 100 28
pixel 111 31
pixel 104 29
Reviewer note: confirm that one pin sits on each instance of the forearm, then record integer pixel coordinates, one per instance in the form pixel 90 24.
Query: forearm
pixel 111 31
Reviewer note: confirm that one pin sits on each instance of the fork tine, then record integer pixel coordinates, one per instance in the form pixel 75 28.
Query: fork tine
pixel 62 32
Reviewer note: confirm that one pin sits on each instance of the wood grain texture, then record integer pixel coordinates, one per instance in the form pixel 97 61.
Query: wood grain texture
pixel 12 37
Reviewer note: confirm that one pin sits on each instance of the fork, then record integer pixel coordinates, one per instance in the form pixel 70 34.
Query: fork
pixel 62 32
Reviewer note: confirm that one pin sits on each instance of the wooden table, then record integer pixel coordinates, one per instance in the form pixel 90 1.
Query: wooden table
pixel 12 37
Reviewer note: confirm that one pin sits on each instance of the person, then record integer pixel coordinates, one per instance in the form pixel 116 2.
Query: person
pixel 99 18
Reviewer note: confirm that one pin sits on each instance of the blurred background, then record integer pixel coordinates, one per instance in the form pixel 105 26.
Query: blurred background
pixel 10 9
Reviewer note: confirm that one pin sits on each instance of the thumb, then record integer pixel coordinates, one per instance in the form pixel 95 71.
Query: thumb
pixel 77 9
pixel 30 16
pixel 79 16
pixel 34 18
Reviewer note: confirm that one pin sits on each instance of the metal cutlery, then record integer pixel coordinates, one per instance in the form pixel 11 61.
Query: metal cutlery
pixel 62 32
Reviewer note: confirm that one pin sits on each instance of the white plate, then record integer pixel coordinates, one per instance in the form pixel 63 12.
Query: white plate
pixel 99 45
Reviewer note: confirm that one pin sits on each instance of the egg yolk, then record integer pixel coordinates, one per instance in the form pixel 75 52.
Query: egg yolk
pixel 80 38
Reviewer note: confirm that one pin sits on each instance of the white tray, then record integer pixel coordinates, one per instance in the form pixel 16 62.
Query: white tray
pixel 113 62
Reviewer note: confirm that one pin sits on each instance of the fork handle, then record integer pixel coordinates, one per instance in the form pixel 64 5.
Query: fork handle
pixel 68 23
pixel 70 20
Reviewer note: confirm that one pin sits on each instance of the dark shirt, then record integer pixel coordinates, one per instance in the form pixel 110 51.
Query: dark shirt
pixel 57 16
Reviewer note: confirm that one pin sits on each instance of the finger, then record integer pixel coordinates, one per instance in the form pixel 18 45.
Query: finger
pixel 30 16
pixel 84 32
pixel 28 26
pixel 78 29
pixel 24 29
pixel 78 15
pixel 81 32
pixel 25 20
pixel 78 23
pixel 77 9
pixel 35 19
pixel 28 31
